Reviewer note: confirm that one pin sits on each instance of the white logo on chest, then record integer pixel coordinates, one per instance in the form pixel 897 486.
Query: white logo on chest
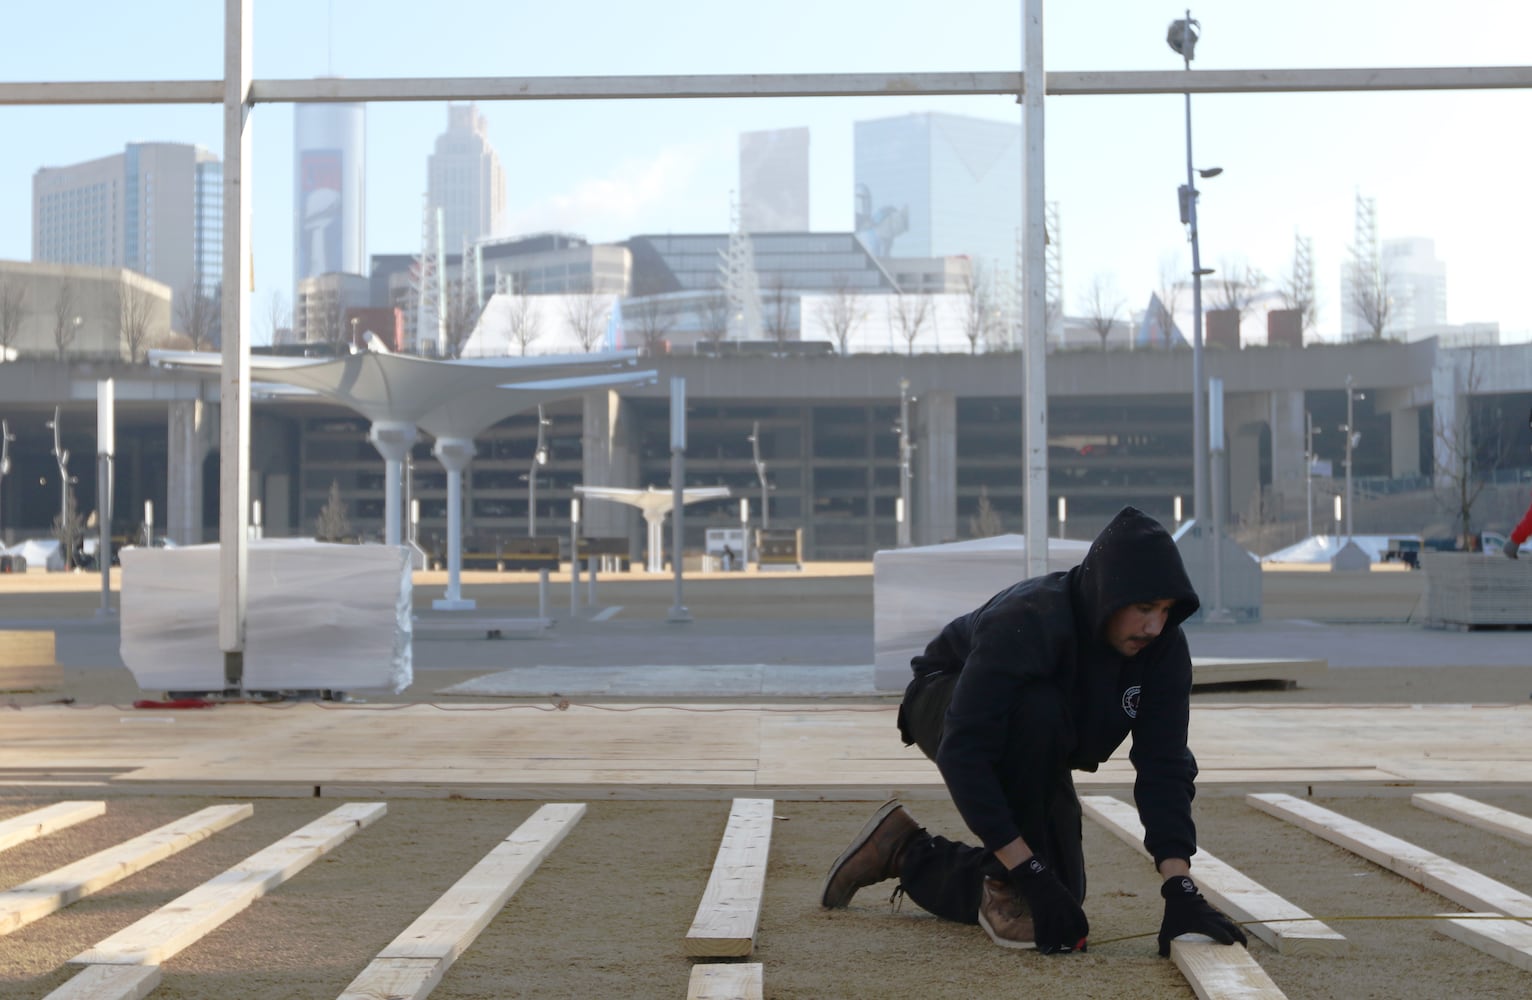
pixel 1130 701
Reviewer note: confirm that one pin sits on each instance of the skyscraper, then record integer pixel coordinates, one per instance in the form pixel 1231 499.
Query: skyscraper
pixel 156 208
pixel 329 189
pixel 774 181
pixel 465 179
pixel 939 185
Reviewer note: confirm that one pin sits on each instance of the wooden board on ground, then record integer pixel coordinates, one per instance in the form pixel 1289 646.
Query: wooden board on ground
pixel 40 822
pixel 732 981
pixel 1233 670
pixel 110 982
pixel 27 661
pixel 43 895
pixel 1279 923
pixel 411 965
pixel 188 918
pixel 1447 878
pixel 1508 940
pixel 1222 972
pixel 1480 814
pixel 730 911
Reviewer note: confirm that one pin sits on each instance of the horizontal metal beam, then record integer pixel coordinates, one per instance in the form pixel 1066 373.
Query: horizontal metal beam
pixel 124 92
pixel 614 88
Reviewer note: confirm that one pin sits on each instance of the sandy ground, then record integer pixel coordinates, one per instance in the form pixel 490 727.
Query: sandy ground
pixel 607 913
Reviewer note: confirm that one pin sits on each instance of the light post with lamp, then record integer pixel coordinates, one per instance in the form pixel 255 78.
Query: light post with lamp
pixel 1182 38
pixel 539 459
pixel 5 461
pixel 61 456
pixel 760 472
pixel 905 448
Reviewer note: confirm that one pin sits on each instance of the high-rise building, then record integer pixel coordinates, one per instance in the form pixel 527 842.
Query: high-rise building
pixel 329 189
pixel 465 180
pixel 1417 284
pixel 156 208
pixel 774 181
pixel 939 185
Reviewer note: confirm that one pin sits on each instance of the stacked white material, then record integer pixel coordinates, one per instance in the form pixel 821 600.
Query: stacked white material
pixel 320 617
pixel 1321 549
pixel 39 553
pixel 918 590
pixel 1472 588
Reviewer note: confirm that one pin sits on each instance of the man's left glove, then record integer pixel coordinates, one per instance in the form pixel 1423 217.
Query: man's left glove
pixel 1186 912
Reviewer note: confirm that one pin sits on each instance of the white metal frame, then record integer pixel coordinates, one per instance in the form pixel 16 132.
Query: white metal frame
pixel 239 93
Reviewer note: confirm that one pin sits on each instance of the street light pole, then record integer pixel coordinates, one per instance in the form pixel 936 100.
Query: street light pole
pixel 1350 438
pixel 760 472
pixel 1308 470
pixel 904 464
pixel 1182 38
pixel 539 458
pixel 5 462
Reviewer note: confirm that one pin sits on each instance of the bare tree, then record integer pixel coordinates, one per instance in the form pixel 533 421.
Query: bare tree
pixel 66 324
pixel 911 313
pixel 523 322
pixel 1101 305
pixel 1468 450
pixel 461 315
pixel 585 317
pixel 985 522
pixel 198 315
pixel 333 523
pixel 131 308
pixel 978 317
pixel 777 317
pixel 69 528
pixel 279 315
pixel 653 322
pixel 841 312
pixel 1169 294
pixel 711 313
pixel 13 309
pixel 1369 291
pixel 326 321
pixel 1239 284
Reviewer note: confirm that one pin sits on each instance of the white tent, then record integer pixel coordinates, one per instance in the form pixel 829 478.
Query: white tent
pixel 918 590
pixel 40 553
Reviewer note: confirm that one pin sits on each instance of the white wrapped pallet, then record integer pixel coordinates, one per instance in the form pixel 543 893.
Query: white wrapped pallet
pixel 320 617
pixel 916 591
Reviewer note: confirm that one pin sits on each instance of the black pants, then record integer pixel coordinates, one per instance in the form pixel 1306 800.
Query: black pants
pixel 945 877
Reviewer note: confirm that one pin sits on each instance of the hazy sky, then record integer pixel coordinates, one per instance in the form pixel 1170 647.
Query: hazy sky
pixel 1449 166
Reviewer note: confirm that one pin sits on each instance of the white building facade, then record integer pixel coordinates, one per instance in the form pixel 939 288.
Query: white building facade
pixel 329 189
pixel 465 180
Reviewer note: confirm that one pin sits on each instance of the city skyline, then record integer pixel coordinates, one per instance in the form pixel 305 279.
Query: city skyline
pixel 608 170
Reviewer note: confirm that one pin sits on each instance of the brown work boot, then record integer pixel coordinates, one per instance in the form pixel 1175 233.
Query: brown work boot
pixel 872 857
pixel 1004 916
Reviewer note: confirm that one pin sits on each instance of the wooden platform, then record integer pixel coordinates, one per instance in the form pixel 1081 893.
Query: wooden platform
pixel 1208 671
pixel 835 750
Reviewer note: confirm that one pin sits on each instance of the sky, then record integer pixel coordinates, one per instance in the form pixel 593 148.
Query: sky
pixel 1448 166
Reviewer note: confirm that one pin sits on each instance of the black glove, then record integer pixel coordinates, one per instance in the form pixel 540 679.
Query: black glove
pixel 1186 912
pixel 1510 548
pixel 1057 920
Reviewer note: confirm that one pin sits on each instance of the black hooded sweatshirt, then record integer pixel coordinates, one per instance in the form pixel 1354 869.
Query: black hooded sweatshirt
pixel 1044 638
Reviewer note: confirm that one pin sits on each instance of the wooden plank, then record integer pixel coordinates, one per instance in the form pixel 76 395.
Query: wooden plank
pixel 191 916
pixel 1509 940
pixel 1235 670
pixel 1222 972
pixel 1480 814
pixel 730 910
pixel 732 981
pixel 1284 926
pixel 412 964
pixel 41 822
pixel 43 895
pixel 1458 883
pixel 110 982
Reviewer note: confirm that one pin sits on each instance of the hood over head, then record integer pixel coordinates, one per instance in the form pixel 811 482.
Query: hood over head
pixel 1133 560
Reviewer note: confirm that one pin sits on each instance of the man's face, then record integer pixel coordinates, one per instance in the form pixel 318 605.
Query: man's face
pixel 1135 626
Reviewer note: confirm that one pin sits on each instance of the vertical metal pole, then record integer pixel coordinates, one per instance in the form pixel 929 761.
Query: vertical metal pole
pixel 574 557
pixel 1308 469
pixel 744 530
pixel 1216 448
pixel 234 383
pixel 1350 436
pixel 106 435
pixel 590 583
pixel 678 612
pixel 1034 310
pixel 542 596
pixel 1200 508
pixel 904 464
